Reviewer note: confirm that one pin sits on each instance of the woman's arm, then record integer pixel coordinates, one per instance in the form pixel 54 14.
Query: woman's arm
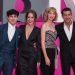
pixel 47 60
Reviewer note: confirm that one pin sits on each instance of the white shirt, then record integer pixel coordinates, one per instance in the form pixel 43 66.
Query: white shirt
pixel 67 31
pixel 11 31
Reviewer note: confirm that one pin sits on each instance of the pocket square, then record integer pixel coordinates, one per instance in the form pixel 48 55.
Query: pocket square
pixel 18 36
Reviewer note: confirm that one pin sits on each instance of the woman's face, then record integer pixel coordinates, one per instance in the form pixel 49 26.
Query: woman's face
pixel 51 16
pixel 30 19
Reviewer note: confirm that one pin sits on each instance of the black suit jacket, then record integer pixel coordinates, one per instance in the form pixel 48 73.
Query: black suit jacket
pixel 66 47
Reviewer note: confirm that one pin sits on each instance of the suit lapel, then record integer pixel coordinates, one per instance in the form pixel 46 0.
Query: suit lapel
pixel 5 32
pixel 63 32
pixel 31 34
pixel 73 31
pixel 16 36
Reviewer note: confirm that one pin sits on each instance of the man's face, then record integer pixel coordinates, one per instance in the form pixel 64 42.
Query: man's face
pixel 12 19
pixel 67 16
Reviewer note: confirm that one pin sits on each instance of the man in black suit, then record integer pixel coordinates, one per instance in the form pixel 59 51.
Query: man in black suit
pixel 8 42
pixel 66 33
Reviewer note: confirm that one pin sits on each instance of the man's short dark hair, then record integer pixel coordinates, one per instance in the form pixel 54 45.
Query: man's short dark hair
pixel 66 9
pixel 12 11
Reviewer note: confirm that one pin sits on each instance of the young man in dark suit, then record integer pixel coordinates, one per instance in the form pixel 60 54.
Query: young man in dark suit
pixel 8 42
pixel 66 33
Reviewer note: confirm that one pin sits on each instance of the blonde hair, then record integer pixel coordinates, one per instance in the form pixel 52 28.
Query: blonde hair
pixel 48 10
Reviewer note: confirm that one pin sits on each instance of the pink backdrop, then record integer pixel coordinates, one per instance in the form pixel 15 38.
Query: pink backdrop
pixel 39 24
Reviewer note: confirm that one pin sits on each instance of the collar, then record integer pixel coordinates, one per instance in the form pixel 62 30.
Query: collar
pixel 10 25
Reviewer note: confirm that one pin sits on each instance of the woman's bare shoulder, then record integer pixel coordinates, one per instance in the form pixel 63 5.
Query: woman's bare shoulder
pixel 44 25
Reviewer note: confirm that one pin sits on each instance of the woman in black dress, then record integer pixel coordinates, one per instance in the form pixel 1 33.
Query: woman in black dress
pixel 29 46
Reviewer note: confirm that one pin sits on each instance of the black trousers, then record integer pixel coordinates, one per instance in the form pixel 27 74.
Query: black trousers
pixel 67 61
pixel 48 70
